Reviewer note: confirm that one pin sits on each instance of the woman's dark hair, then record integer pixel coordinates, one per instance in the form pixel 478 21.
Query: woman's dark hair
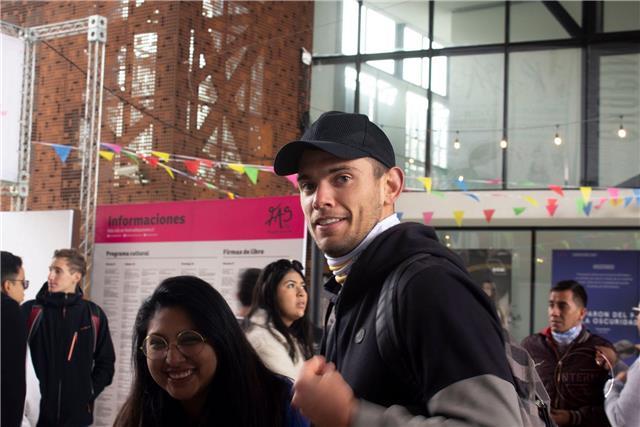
pixel 265 297
pixel 242 392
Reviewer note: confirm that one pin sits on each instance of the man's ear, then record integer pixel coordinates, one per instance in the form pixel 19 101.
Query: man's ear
pixel 77 277
pixel 583 313
pixel 394 184
pixel 5 286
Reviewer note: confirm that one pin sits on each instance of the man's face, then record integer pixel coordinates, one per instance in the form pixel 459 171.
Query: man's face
pixel 60 278
pixel 341 199
pixel 563 311
pixel 15 287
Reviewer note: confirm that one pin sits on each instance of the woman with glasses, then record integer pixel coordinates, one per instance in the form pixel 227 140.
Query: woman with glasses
pixel 194 367
pixel 277 326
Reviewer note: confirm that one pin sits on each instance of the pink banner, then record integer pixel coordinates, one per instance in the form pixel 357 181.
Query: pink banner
pixel 204 220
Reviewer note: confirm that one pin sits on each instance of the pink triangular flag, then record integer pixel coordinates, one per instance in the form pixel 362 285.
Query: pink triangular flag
pixel 488 214
pixel 551 209
pixel 293 179
pixel 426 217
pixel 192 166
pixel 557 189
pixel 552 202
pixel 601 202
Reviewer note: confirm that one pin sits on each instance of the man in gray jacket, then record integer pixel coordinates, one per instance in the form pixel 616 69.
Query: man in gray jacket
pixel 456 371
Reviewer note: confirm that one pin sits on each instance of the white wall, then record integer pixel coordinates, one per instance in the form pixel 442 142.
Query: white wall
pixel 33 236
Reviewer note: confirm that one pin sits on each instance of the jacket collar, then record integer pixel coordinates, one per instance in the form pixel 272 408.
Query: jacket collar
pixel 58 299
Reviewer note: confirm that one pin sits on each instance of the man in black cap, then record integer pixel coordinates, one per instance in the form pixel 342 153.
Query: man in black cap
pixel 448 333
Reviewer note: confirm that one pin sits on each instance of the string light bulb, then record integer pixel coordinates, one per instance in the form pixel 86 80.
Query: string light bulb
pixel 503 143
pixel 622 132
pixel 456 142
pixel 556 139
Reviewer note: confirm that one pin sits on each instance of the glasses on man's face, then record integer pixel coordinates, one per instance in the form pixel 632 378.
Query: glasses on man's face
pixel 189 343
pixel 25 283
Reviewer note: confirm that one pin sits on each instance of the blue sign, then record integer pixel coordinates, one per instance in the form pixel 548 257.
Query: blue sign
pixel 612 282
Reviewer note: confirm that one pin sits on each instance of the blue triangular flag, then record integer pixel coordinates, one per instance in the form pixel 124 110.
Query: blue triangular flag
pixel 473 196
pixel 636 193
pixel 587 208
pixel 461 185
pixel 627 201
pixel 400 215
pixel 62 151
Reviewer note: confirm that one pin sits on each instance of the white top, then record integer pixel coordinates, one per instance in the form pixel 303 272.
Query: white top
pixel 271 346
pixel 622 405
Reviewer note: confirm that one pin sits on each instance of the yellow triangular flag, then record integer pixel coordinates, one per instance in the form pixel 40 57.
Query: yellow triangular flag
pixel 168 169
pixel 531 200
pixel 236 167
pixel 426 181
pixel 586 193
pixel 106 155
pixel 458 215
pixel 162 156
pixel 231 195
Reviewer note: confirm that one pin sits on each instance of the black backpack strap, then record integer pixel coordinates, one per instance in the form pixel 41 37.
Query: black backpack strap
pixel 388 339
pixel 34 319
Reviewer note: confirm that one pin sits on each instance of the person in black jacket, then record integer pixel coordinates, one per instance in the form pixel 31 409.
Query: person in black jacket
pixel 14 340
pixel 70 344
pixel 449 331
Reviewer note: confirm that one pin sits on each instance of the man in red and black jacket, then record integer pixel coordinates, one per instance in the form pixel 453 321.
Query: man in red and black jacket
pixel 570 360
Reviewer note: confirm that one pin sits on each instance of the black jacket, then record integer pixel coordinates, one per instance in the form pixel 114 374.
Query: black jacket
pixel 71 374
pixel 14 348
pixel 449 330
pixel 572 377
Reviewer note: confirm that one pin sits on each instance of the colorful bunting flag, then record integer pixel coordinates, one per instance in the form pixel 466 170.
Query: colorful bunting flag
pixel 461 184
pixel 587 208
pixel 551 209
pixel 586 193
pixel 557 189
pixel 627 201
pixel 458 215
pixel 153 161
pixel 473 196
pixel 426 217
pixel 113 147
pixel 161 155
pixel 62 151
pixel 580 205
pixel 531 200
pixel 230 195
pixel 488 214
pixel 601 202
pixel 636 194
pixel 400 215
pixel 236 167
pixel 439 194
pixel 168 169
pixel 293 179
pixel 192 166
pixel 252 173
pixel 131 157
pixel 206 163
pixel 519 210
pixel 552 202
pixel 108 155
pixel 426 181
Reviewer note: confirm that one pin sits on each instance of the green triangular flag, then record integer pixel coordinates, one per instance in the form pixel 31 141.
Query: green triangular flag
pixel 131 157
pixel 252 173
pixel 518 211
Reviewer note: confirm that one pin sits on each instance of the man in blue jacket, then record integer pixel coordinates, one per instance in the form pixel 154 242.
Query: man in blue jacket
pixel 70 344
pixel 457 372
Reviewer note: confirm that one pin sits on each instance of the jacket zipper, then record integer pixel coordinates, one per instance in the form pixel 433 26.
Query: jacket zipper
pixel 64 312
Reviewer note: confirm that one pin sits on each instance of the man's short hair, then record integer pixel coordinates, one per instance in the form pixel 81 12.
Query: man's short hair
pixel 378 168
pixel 75 259
pixel 10 266
pixel 579 294
pixel 246 284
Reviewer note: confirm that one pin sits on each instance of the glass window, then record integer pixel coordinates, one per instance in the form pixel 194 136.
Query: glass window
pixel 502 258
pixel 332 88
pixel 621 15
pixel 400 109
pixel 384 26
pixel 619 125
pixel 463 23
pixel 574 8
pixel 547 241
pixel 467 123
pixel 532 21
pixel 335 27
pixel 544 91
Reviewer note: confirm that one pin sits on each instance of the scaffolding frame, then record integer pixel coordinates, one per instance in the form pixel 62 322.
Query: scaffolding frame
pixel 95 27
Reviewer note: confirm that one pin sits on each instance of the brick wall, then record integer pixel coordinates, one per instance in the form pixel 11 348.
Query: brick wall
pixel 218 80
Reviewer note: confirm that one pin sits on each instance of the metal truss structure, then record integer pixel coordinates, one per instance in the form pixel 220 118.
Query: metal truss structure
pixel 95 27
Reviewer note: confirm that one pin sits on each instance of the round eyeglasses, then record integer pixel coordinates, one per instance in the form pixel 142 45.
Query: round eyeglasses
pixel 189 343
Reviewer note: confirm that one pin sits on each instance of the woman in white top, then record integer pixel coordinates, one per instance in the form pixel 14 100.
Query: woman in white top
pixel 277 326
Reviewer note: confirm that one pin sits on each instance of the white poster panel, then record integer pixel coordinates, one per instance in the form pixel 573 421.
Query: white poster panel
pixel 12 50
pixel 137 246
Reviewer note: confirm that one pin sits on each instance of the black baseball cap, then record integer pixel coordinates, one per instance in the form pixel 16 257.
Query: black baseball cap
pixel 345 135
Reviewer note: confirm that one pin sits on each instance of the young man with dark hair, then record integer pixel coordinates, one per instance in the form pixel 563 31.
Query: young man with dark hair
pixel 14 340
pixel 70 344
pixel 572 362
pixel 450 333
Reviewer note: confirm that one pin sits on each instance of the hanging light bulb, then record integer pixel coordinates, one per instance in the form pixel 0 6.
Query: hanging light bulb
pixel 503 143
pixel 622 132
pixel 456 142
pixel 556 139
